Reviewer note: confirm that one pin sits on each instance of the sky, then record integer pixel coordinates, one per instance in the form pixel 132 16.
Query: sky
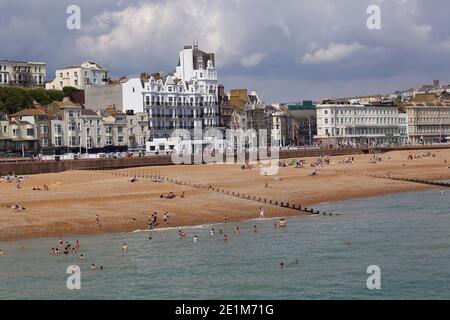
pixel 286 50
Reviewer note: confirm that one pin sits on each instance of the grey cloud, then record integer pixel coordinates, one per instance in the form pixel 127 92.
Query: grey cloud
pixel 258 42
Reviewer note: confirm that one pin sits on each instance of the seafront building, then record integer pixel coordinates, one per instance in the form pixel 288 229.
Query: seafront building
pixel 22 74
pixel 305 114
pixel 186 99
pixel 79 76
pixel 428 119
pixel 123 95
pixel 342 123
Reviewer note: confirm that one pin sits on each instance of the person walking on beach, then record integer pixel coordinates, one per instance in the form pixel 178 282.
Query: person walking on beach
pixel 261 213
pixel 166 217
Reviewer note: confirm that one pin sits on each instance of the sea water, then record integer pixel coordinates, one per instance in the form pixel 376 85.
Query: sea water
pixel 406 235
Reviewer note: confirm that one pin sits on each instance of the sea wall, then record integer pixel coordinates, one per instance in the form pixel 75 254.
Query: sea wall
pixel 21 167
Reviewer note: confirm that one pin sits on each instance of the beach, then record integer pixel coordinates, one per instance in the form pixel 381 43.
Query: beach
pixel 75 198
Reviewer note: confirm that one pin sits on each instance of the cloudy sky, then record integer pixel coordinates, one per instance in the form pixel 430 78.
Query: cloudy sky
pixel 287 50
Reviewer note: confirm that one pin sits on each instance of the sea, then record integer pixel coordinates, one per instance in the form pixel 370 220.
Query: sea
pixel 389 247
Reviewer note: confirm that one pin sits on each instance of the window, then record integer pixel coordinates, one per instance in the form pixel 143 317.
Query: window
pixel 72 126
pixel 58 129
pixel 120 129
pixel 58 141
pixel 120 139
pixel 73 141
pixel 30 132
pixel 44 128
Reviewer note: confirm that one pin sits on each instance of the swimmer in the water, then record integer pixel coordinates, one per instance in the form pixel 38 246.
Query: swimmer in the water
pixel 212 232
pixel 220 231
pixel 101 268
pixel 275 224
pixel 93 266
pixel 1 252
pixel 124 247
pixel 236 229
pixel 281 265
pixel 225 238
pixel 195 238
pixel 61 242
pixel 254 229
pixel 442 192
pixel 82 256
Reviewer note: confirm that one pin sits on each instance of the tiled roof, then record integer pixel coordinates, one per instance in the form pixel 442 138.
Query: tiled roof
pixel 29 112
pixel 88 112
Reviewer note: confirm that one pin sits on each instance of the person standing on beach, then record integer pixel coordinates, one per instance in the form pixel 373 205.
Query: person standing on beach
pixel 261 213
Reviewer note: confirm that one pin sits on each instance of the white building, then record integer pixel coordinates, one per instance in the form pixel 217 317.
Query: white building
pixel 403 127
pixel 22 74
pixel 356 124
pixel 79 76
pixel 124 96
pixel 187 99
pixel 428 121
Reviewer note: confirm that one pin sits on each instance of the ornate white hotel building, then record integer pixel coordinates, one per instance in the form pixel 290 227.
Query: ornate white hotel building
pixel 357 124
pixel 186 99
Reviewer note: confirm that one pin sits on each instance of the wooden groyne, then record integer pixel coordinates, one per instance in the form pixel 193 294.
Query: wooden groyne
pixel 240 195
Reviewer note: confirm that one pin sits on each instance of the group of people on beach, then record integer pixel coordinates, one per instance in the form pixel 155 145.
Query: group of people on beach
pixel 321 161
pixel 423 155
pixel 170 195
pixel 45 188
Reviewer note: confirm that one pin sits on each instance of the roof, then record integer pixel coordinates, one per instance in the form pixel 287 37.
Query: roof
pixel 29 112
pixel 65 104
pixel 89 112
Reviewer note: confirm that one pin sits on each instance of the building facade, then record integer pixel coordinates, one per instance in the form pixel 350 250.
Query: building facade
pixel 187 99
pixel 305 115
pixel 357 124
pixel 428 121
pixel 22 74
pixel 124 95
pixel 79 76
